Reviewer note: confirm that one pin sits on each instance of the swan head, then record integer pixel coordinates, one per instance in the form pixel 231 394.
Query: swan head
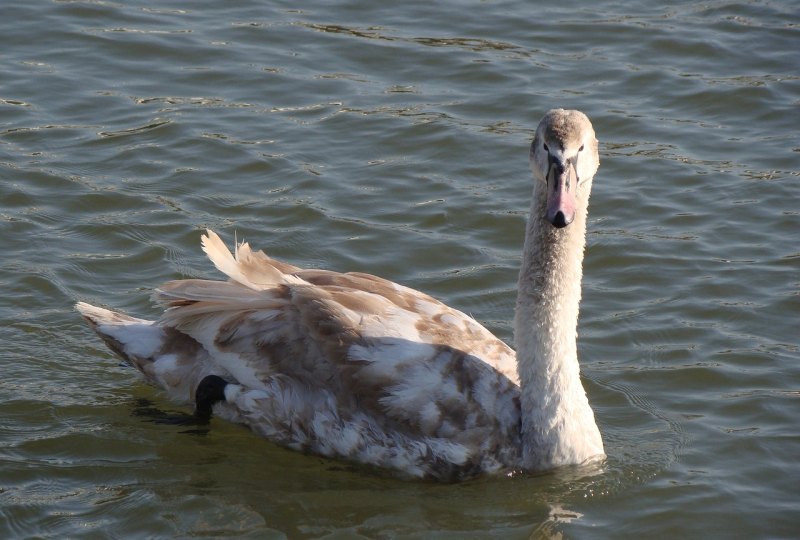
pixel 565 157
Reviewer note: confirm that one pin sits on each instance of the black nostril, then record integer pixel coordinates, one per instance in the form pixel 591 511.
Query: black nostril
pixel 560 220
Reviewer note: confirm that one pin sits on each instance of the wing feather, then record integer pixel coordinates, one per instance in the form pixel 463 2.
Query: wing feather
pixel 362 347
pixel 254 270
pixel 374 353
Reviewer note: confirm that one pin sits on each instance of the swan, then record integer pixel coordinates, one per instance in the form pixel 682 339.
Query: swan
pixel 354 367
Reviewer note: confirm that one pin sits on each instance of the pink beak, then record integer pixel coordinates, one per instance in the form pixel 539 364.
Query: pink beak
pixel 561 203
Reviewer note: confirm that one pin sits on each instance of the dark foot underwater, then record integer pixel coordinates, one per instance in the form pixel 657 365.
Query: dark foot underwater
pixel 211 390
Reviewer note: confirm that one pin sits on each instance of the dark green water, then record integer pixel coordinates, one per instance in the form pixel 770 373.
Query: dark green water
pixel 392 138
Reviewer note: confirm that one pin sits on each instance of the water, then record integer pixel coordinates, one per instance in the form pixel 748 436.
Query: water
pixel 392 138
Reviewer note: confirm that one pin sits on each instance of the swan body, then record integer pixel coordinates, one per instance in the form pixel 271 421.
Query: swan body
pixel 352 366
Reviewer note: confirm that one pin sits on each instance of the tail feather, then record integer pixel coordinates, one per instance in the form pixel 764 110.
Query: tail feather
pixel 131 338
pixel 97 316
pixel 170 350
pixel 166 357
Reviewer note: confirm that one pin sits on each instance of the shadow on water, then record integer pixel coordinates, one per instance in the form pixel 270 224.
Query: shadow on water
pixel 193 424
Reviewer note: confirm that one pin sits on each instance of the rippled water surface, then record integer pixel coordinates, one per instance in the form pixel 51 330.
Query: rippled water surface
pixel 392 138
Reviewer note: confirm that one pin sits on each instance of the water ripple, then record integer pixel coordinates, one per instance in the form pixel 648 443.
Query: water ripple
pixel 328 135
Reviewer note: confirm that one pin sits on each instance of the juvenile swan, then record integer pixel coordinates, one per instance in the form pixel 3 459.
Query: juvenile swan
pixel 352 366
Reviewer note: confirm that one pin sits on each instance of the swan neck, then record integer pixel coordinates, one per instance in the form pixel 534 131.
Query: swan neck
pixel 558 425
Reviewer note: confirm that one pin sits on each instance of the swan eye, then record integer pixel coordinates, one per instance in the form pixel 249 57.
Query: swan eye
pixel 546 149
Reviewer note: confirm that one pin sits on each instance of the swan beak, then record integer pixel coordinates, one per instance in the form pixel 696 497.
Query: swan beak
pixel 561 185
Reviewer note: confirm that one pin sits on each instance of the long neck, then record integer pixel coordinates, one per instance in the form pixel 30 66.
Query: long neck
pixel 558 426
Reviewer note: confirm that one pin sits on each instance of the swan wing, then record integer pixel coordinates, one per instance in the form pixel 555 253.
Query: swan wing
pixel 374 347
pixel 364 305
pixel 344 365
